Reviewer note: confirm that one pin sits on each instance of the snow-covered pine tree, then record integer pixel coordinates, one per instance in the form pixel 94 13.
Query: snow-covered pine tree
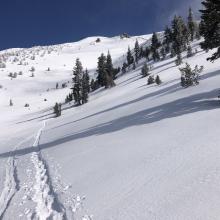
pixel 180 35
pixel 101 70
pixel 210 27
pixel 189 51
pixel 155 45
pixel 105 71
pixel 110 72
pixel 137 51
pixel 85 87
pixel 124 68
pixel 145 70
pixel 150 80
pixel 178 60
pixel 130 58
pixel 134 66
pixel 190 76
pixel 77 82
pixel 57 110
pixel 158 80
pixel 147 53
pixel 167 39
pixel 163 53
pixel 191 25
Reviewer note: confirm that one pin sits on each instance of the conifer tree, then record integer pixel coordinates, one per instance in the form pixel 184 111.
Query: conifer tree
pixel 124 68
pixel 77 80
pixel 57 110
pixel 92 85
pixel 190 76
pixel 134 66
pixel 141 52
pixel 210 27
pixel 110 71
pixel 145 70
pixel 158 80
pixel 155 45
pixel 179 35
pixel 179 60
pixel 163 53
pixel 147 53
pixel 191 25
pixel 101 70
pixel 85 87
pixel 150 80
pixel 167 39
pixel 189 51
pixel 130 58
pixel 137 51
pixel 105 71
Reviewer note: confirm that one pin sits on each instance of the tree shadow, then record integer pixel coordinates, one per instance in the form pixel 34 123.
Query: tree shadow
pixel 188 105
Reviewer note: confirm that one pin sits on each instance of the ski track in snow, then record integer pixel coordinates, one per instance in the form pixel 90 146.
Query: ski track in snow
pixel 11 183
pixel 43 193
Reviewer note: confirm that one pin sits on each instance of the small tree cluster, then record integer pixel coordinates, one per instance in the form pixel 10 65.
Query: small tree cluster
pixel 105 71
pixel 189 76
pixel 81 86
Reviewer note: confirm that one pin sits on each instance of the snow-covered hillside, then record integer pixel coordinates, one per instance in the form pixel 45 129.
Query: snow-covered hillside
pixel 135 151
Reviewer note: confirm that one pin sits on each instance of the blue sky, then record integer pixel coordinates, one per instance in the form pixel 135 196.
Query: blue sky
pixel 26 23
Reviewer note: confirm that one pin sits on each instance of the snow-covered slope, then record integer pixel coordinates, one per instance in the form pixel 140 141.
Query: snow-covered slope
pixel 132 152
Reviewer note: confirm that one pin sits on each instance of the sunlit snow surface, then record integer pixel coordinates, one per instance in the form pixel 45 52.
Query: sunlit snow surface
pixel 133 152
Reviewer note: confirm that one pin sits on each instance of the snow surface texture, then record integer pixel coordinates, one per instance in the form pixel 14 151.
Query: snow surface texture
pixel 135 151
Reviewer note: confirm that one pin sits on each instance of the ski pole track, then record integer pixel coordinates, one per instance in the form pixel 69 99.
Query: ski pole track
pixel 44 196
pixel 11 183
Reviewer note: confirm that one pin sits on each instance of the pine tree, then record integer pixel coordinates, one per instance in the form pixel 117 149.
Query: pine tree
pixel 85 87
pixel 163 53
pixel 92 85
pixel 105 71
pixel 179 34
pixel 134 66
pixel 189 51
pixel 124 68
pixel 179 60
pixel 155 45
pixel 210 27
pixel 191 25
pixel 145 70
pixel 189 76
pixel 130 58
pixel 137 51
pixel 167 39
pixel 147 53
pixel 141 52
pixel 57 110
pixel 110 72
pixel 158 80
pixel 77 82
pixel 150 80
pixel 101 70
